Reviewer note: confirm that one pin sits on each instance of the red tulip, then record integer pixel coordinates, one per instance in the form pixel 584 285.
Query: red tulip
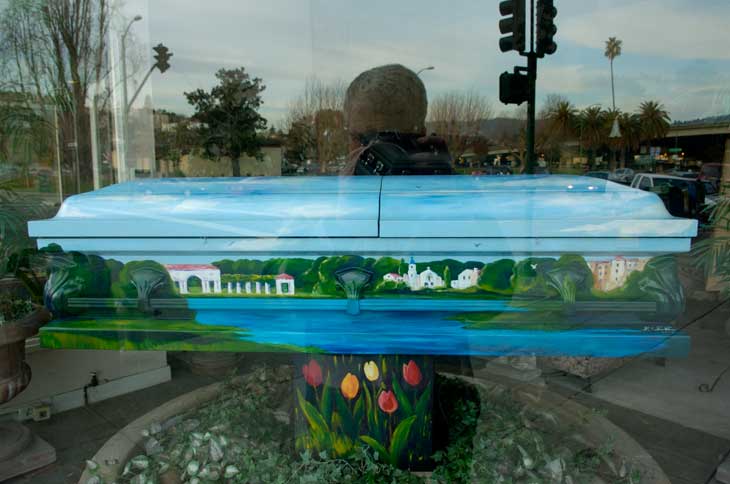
pixel 412 374
pixel 312 373
pixel 387 402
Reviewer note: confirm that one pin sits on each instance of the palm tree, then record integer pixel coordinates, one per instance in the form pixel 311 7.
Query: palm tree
pixel 613 50
pixel 560 123
pixel 562 119
pixel 593 129
pixel 655 120
pixel 630 140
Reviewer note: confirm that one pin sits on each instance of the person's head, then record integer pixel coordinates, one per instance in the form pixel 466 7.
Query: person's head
pixel 386 98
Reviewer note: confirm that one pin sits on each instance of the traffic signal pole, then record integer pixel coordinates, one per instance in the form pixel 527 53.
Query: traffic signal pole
pixel 530 159
pixel 517 88
pixel 162 57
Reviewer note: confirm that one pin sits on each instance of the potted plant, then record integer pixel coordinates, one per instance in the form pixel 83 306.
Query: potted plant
pixel 21 315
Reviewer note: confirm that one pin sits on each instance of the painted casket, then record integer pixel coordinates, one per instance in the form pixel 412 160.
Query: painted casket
pixel 523 265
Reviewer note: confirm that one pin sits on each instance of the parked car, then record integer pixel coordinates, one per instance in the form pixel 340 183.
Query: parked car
pixel 603 175
pixel 683 197
pixel 622 175
pixel 712 194
pixel 496 170
pixel 710 172
pixel 692 175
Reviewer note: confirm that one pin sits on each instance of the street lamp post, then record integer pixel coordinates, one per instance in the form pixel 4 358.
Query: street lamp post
pixel 125 127
pixel 429 68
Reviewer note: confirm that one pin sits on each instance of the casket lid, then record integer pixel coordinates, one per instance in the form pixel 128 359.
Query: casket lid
pixel 391 207
pixel 210 207
pixel 523 206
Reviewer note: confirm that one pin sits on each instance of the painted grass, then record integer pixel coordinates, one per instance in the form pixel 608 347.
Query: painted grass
pixel 154 335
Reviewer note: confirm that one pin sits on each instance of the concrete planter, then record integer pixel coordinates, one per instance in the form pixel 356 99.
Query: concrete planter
pixel 20 450
pixel 15 373
pixel 128 442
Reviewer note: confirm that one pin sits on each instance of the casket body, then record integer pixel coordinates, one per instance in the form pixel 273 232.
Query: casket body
pixel 539 265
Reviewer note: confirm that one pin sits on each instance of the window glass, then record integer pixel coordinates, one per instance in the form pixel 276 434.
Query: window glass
pixel 321 241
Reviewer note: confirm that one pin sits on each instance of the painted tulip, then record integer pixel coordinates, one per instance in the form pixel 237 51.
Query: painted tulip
pixel 412 374
pixel 312 373
pixel 350 386
pixel 387 402
pixel 371 370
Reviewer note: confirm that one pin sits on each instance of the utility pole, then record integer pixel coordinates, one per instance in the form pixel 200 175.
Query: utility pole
pixel 517 88
pixel 122 160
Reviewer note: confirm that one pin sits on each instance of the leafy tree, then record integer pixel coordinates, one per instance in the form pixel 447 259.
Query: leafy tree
pixel 172 145
pixel 447 276
pixel 229 116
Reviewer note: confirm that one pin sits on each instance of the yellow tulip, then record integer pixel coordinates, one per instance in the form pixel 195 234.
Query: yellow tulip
pixel 371 370
pixel 350 386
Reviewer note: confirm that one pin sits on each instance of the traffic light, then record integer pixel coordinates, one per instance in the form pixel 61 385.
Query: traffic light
pixel 513 24
pixel 546 29
pixel 162 56
pixel 513 88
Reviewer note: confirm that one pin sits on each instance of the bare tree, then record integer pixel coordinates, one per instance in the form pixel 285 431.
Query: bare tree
pixel 458 117
pixel 52 52
pixel 314 123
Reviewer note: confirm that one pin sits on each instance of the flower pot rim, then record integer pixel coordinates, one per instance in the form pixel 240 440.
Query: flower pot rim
pixel 24 328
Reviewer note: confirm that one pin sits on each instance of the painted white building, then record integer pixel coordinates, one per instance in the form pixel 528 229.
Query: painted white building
pixel 427 279
pixel 209 276
pixel 393 277
pixel 284 284
pixel 466 279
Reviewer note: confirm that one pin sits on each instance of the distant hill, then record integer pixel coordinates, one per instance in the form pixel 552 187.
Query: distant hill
pixel 702 121
pixel 502 127
pixel 496 128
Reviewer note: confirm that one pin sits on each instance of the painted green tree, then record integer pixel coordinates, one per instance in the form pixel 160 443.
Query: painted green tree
pixel 131 281
pixel 497 276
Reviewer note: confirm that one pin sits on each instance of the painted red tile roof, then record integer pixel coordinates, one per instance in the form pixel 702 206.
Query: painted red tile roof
pixel 190 267
pixel 284 276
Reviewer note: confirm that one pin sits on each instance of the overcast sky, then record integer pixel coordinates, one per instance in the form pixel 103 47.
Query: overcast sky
pixel 675 51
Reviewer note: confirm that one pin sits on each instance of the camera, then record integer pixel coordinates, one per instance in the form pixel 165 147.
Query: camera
pixel 391 153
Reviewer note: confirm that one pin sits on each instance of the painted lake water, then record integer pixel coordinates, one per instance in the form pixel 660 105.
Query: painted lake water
pixel 326 326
